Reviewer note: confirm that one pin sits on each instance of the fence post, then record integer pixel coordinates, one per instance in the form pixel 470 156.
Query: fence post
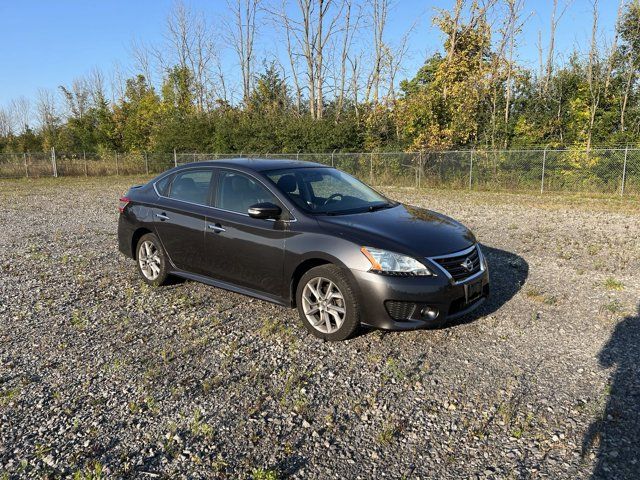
pixel 544 164
pixel 420 170
pixel 146 164
pixel 334 151
pixel 84 157
pixel 298 155
pixel 53 162
pixel 624 170
pixel 26 167
pixel 175 158
pixel 117 165
pixel 471 170
pixel 371 168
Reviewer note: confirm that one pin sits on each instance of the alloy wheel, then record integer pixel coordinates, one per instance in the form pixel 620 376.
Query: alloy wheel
pixel 149 260
pixel 323 305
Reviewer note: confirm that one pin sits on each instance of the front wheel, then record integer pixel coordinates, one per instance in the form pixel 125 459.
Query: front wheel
pixel 152 261
pixel 327 304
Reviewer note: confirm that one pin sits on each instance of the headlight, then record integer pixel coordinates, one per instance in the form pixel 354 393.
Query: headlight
pixel 383 261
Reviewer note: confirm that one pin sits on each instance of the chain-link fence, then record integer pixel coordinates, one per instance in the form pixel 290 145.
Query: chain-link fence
pixel 612 170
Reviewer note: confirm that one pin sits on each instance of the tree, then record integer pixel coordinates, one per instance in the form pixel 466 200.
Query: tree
pixel 241 32
pixel 556 16
pixel 380 11
pixel 78 134
pixel 137 115
pixel 20 114
pixel 48 118
pixel 442 105
pixel 309 36
pixel 271 94
pixel 629 28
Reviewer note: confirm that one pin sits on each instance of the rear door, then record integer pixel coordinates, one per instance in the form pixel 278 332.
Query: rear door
pixel 245 251
pixel 180 217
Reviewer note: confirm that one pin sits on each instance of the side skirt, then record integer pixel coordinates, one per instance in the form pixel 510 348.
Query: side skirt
pixel 231 287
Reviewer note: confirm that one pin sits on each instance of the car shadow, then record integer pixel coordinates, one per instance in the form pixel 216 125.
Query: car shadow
pixel 507 274
pixel 613 438
pixel 289 466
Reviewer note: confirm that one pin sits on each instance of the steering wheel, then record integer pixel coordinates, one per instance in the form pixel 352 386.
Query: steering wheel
pixel 335 195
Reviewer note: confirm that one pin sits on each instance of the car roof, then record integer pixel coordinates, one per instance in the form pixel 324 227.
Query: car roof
pixel 257 164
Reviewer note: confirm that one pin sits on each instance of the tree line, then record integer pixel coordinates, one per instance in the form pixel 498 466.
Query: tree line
pixel 337 85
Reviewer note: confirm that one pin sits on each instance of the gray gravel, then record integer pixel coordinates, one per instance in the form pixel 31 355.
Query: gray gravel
pixel 100 375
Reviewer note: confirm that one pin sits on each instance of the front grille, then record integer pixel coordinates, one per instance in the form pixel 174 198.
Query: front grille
pixel 454 264
pixel 400 310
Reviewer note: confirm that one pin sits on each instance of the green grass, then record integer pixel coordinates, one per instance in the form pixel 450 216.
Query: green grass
pixel 264 474
pixel 614 307
pixel 613 284
pixel 395 370
pixel 91 472
pixel 537 295
pixel 389 432
pixel 78 320
pixel 7 396
pixel 594 249
pixel 199 428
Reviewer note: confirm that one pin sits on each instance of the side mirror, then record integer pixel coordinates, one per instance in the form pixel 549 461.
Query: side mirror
pixel 264 210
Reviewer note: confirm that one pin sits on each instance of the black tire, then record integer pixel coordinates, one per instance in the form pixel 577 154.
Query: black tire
pixel 161 262
pixel 351 320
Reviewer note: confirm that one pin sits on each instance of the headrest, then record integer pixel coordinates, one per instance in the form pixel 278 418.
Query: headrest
pixel 287 183
pixel 185 183
pixel 240 184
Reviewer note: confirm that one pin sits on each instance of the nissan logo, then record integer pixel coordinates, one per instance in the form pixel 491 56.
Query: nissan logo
pixel 468 264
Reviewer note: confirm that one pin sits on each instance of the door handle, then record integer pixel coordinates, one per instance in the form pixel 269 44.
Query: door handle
pixel 216 228
pixel 162 216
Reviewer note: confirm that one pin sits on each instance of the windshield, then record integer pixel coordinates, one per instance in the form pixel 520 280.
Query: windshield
pixel 327 191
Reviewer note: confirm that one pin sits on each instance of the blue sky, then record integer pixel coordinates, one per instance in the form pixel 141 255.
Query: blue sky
pixel 49 43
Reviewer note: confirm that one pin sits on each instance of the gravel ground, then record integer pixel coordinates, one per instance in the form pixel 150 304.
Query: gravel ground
pixel 101 376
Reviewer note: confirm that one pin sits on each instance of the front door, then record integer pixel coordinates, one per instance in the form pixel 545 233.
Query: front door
pixel 245 251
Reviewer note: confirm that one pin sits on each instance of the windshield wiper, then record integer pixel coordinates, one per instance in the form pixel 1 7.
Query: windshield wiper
pixel 351 211
pixel 380 206
pixel 334 213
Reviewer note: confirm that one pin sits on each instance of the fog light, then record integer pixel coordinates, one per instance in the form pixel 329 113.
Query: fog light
pixel 429 312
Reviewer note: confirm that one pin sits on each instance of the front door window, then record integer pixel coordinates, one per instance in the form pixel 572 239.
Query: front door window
pixel 237 192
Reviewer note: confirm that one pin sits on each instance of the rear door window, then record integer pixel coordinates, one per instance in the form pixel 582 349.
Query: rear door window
pixel 162 185
pixel 192 186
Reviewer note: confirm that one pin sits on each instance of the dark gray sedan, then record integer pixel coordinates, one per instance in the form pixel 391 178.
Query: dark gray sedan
pixel 304 235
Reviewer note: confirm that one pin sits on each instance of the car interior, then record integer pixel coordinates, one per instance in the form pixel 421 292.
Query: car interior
pixel 191 187
pixel 317 192
pixel 237 193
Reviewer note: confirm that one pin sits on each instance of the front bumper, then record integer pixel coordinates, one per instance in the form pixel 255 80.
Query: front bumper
pixel 440 293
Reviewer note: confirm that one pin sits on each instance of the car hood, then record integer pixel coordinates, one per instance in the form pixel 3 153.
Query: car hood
pixel 403 228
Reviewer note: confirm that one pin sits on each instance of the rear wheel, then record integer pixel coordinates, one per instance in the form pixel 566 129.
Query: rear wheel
pixel 151 260
pixel 327 303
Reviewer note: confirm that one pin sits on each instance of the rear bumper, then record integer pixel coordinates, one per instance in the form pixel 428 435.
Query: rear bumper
pixel 416 293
